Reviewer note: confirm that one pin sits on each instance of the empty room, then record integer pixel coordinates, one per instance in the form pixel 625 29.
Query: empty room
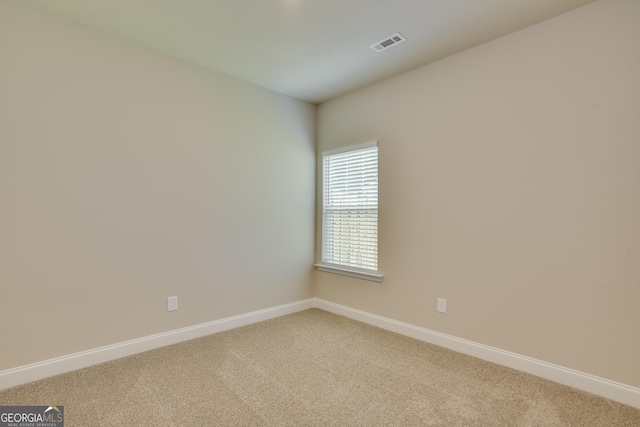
pixel 320 212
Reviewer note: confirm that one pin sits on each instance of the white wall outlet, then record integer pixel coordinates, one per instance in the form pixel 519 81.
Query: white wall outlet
pixel 172 303
pixel 442 305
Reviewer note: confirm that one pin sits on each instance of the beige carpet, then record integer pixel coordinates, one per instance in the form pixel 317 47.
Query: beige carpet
pixel 313 368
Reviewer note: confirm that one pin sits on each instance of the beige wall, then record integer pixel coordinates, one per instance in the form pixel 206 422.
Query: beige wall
pixel 510 185
pixel 127 177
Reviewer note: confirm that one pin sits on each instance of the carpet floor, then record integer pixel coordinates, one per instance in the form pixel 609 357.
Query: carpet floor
pixel 313 368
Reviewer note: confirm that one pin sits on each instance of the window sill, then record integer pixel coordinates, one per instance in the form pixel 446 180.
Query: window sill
pixel 351 272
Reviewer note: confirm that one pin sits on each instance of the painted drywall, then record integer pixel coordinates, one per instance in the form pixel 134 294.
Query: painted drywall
pixel 510 185
pixel 127 177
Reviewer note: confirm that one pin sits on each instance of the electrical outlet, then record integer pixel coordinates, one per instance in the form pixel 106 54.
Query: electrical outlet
pixel 172 303
pixel 442 305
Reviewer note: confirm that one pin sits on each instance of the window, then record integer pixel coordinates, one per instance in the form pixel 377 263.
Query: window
pixel 350 211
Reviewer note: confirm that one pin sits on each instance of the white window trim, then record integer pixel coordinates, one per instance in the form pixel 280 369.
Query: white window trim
pixel 375 276
pixel 351 272
pixel 350 148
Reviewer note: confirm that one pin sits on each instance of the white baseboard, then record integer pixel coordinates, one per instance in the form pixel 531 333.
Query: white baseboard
pixel 36 371
pixel 610 389
pixel 60 365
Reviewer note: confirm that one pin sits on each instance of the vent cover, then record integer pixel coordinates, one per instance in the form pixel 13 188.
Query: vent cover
pixel 390 41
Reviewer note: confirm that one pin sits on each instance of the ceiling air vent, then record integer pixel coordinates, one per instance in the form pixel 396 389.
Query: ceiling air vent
pixel 390 41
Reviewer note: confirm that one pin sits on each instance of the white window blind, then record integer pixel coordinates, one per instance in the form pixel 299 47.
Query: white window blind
pixel 350 208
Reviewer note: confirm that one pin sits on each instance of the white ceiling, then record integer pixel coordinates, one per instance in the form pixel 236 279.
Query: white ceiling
pixel 313 50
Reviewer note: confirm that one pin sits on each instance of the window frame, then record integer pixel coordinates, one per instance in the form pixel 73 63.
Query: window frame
pixel 361 273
